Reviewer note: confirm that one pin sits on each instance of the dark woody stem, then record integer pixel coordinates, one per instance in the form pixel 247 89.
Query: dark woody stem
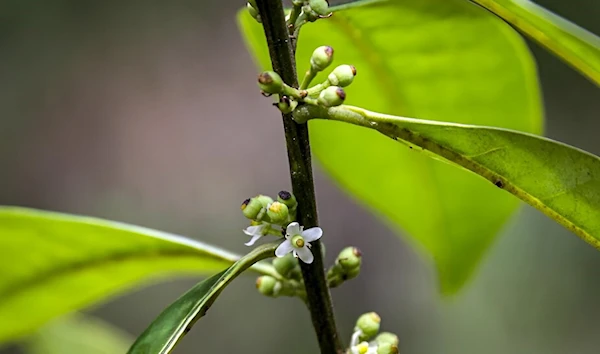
pixel 298 147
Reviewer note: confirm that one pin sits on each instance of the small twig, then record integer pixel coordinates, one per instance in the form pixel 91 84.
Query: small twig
pixel 308 77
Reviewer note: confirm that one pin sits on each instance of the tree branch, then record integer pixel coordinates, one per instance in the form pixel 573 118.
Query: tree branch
pixel 298 147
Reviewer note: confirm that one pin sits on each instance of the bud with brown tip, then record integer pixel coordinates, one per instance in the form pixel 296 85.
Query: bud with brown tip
pixel 368 324
pixel 321 58
pixel 320 7
pixel 270 82
pixel 342 75
pixel 332 96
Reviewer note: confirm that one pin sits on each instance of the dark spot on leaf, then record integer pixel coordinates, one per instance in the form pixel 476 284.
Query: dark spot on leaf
pixel 499 184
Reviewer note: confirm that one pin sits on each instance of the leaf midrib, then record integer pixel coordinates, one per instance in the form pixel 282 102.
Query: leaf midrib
pixel 410 135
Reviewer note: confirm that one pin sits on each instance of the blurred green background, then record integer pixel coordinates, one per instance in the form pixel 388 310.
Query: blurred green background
pixel 147 112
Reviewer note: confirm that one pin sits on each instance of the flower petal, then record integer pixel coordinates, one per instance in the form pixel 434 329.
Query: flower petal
pixel 254 230
pixel 355 338
pixel 252 240
pixel 285 248
pixel 305 255
pixel 293 229
pixel 372 348
pixel 312 234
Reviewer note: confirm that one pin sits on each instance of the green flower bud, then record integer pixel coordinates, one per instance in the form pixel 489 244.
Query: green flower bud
pixel 321 7
pixel 253 12
pixel 333 279
pixel 387 348
pixel 288 199
pixel 267 285
pixel 351 274
pixel 270 82
pixel 251 208
pixel 369 325
pixel 387 337
pixel 285 265
pixel 286 105
pixel 278 212
pixel 346 267
pixel 296 273
pixel 265 200
pixel 332 96
pixel 350 258
pixel 342 76
pixel 321 58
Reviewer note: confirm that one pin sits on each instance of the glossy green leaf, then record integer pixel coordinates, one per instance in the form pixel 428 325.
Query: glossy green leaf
pixel 560 180
pixel 52 263
pixel 78 334
pixel 177 319
pixel 434 59
pixel 573 44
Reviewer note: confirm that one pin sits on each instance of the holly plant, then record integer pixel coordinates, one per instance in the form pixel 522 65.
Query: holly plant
pixel 426 111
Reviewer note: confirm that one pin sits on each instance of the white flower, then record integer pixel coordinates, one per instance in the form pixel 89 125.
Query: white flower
pixel 362 347
pixel 257 231
pixel 297 242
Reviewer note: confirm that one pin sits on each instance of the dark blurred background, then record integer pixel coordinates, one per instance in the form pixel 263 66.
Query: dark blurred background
pixel 148 112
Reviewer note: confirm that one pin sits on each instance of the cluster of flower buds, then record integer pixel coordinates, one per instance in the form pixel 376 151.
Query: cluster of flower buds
pixel 329 93
pixel 303 11
pixel 346 267
pixel 316 9
pixel 273 287
pixel 268 216
pixel 263 208
pixel 288 283
pixel 367 327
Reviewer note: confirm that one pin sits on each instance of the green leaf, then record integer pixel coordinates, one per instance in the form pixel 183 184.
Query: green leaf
pixel 78 334
pixel 177 319
pixel 435 59
pixel 52 263
pixel 573 44
pixel 560 180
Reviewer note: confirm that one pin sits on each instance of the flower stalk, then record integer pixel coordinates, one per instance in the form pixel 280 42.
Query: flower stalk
pixel 298 147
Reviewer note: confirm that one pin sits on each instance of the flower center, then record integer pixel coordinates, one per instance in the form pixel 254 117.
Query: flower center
pixel 363 348
pixel 298 241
